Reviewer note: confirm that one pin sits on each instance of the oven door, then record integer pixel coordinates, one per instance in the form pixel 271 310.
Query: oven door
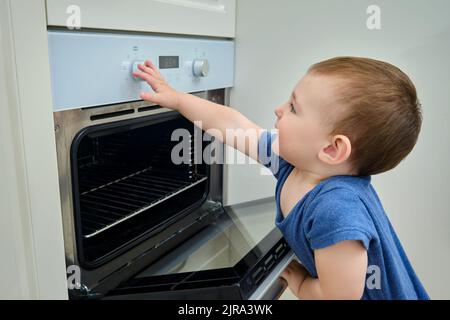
pixel 240 256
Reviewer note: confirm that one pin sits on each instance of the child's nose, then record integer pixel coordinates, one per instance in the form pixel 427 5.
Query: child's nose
pixel 278 112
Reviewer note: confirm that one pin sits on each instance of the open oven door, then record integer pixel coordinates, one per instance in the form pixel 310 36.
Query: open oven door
pixel 239 256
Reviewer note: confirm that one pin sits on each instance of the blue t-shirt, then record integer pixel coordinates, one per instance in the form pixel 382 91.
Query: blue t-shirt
pixel 344 208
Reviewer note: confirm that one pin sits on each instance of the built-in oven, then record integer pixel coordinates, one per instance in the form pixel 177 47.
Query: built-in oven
pixel 141 187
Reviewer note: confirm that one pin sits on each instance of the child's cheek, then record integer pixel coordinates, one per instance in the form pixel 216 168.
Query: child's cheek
pixel 283 147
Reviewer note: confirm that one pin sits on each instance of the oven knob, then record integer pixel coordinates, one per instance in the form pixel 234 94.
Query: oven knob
pixel 136 69
pixel 200 67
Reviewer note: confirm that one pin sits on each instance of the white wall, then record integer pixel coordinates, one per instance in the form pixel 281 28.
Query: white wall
pixel 277 41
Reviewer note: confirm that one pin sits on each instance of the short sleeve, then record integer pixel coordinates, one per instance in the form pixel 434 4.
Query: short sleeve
pixel 266 156
pixel 338 215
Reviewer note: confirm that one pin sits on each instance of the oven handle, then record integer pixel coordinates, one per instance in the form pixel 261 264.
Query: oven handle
pixel 272 287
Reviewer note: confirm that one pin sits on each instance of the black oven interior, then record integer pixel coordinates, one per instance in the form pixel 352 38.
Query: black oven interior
pixel 126 187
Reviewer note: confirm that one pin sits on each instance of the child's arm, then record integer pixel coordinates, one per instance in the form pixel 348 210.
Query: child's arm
pixel 212 115
pixel 341 270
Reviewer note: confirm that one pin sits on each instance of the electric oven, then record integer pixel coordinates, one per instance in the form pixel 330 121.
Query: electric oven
pixel 138 224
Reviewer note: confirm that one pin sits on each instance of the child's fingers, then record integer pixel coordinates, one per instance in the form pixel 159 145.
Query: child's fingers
pixel 146 77
pixel 150 64
pixel 146 69
pixel 147 96
pixel 284 281
pixel 285 274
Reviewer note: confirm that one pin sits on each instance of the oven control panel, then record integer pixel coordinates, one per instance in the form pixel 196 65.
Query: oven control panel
pixel 94 69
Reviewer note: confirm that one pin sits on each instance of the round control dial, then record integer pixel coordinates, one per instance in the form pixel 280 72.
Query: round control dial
pixel 134 68
pixel 200 67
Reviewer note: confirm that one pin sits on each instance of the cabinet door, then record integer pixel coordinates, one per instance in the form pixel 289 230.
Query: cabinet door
pixel 193 17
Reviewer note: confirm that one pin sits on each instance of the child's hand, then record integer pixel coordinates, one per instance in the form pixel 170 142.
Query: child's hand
pixel 294 275
pixel 164 95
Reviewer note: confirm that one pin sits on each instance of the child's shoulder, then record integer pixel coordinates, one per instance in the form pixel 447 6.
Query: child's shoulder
pixel 337 211
pixel 340 194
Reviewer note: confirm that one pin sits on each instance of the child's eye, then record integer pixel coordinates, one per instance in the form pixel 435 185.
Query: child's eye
pixel 292 108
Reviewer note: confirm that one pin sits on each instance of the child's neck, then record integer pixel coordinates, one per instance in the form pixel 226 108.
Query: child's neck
pixel 314 178
pixel 308 177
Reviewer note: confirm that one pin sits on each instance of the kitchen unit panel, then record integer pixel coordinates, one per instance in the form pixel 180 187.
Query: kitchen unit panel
pixel 214 18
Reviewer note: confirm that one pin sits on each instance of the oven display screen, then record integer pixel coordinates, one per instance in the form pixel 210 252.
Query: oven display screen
pixel 169 62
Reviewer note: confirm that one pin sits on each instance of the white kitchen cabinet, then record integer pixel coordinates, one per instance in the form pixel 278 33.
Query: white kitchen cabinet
pixel 191 17
pixel 31 235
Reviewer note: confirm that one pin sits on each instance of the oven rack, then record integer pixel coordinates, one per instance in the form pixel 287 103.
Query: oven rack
pixel 117 198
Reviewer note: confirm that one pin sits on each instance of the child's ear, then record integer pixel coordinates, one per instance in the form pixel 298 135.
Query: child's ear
pixel 336 152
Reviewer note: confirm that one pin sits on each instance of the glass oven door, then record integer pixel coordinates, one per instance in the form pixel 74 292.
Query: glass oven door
pixel 230 259
pixel 126 186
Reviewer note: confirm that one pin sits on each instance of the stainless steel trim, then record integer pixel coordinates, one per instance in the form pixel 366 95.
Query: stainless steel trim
pixel 272 287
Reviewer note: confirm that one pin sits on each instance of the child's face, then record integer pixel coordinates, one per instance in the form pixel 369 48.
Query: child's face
pixel 304 123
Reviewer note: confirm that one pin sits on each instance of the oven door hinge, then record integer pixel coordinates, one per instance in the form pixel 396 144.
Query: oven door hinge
pixel 83 293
